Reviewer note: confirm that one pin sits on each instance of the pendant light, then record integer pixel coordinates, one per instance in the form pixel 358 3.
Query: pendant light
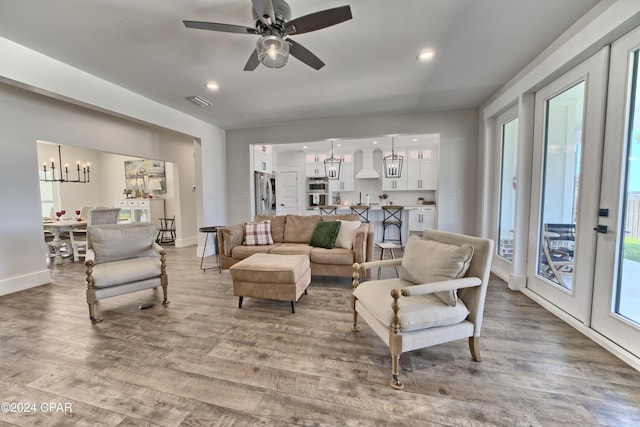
pixel 392 163
pixel 332 166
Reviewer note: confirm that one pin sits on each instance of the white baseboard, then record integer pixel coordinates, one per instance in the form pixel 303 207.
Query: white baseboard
pixel 189 241
pixel 594 336
pixel 20 283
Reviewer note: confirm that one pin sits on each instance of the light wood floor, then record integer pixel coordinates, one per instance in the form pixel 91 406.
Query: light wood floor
pixel 201 361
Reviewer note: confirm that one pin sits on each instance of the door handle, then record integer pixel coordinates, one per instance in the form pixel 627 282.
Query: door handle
pixel 603 229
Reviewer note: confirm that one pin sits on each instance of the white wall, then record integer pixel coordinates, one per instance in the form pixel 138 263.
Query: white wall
pixel 458 155
pixel 26 117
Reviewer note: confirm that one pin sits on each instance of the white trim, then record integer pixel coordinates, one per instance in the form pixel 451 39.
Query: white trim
pixel 602 341
pixel 20 283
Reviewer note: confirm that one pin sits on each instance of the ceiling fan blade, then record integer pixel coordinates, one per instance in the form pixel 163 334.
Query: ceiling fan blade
pixel 213 26
pixel 253 61
pixel 264 8
pixel 318 20
pixel 304 55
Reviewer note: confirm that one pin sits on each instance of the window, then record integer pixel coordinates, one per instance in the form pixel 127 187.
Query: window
pixel 507 211
pixel 48 196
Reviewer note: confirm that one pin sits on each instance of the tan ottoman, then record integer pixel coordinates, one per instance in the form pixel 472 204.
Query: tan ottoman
pixel 270 276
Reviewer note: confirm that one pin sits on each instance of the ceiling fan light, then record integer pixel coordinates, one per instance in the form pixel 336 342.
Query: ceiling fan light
pixel 273 51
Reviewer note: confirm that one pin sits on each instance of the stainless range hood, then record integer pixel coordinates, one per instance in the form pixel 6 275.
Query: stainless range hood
pixel 367 171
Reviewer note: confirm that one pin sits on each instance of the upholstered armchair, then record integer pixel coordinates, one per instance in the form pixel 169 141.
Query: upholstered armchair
pixel 439 296
pixel 123 258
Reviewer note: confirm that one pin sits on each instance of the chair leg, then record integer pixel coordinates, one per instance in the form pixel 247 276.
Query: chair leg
pixel 355 327
pixel 474 346
pixel 92 314
pixel 395 382
pixel 164 293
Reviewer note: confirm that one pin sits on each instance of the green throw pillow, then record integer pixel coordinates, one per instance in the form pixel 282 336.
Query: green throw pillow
pixel 325 233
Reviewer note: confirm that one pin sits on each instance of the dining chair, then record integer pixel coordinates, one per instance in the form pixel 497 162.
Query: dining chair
pixel 78 239
pixel 103 216
pixel 78 236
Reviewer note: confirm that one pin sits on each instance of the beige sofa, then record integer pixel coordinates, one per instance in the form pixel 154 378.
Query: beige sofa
pixel 291 234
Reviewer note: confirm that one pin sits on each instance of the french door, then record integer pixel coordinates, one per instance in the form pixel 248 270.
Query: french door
pixel 584 235
pixel 616 302
pixel 567 158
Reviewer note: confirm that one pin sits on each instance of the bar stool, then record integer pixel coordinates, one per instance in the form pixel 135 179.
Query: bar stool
pixel 362 211
pixel 211 230
pixel 390 246
pixel 392 217
pixel 328 210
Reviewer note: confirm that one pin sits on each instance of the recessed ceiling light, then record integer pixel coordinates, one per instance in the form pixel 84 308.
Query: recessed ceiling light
pixel 212 86
pixel 426 55
pixel 415 140
pixel 338 145
pixel 375 142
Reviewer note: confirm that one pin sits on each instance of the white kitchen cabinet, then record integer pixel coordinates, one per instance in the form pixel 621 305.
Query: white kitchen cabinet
pixel 421 218
pixel 141 210
pixel 314 166
pixel 314 170
pixel 262 159
pixel 346 182
pixel 421 170
pixel 390 184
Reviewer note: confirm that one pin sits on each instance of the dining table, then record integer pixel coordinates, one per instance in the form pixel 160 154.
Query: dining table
pixel 57 227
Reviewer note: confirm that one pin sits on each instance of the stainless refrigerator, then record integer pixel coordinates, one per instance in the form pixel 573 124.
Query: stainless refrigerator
pixel 265 193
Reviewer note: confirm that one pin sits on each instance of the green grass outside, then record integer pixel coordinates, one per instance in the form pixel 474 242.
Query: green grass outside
pixel 632 248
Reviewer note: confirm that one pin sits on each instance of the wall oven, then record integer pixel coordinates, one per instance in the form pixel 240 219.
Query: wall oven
pixel 317 185
pixel 317 192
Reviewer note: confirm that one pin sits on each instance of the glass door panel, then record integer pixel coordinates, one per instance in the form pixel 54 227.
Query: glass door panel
pixel 627 302
pixel 509 131
pixel 560 185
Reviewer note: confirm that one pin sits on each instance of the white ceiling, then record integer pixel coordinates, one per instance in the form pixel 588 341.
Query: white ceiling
pixel 371 59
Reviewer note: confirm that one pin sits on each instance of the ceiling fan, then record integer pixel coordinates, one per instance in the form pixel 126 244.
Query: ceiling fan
pixel 273 24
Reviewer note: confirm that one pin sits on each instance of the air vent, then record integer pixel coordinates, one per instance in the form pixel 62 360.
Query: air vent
pixel 200 102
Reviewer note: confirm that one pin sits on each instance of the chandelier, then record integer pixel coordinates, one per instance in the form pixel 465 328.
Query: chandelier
pixel 332 166
pixel 63 175
pixel 392 163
